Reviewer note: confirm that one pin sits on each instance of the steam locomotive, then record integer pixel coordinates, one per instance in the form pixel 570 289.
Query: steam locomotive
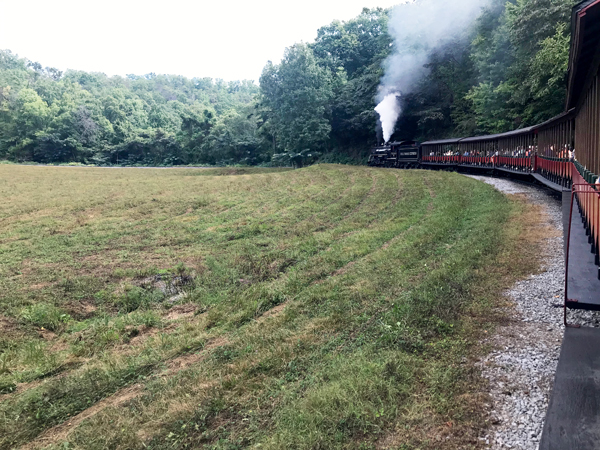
pixel 403 154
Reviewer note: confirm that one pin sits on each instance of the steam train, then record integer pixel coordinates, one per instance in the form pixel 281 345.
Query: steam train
pixel 403 154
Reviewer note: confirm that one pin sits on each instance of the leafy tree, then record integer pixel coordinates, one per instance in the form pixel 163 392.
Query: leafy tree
pixel 196 123
pixel 354 52
pixel 20 131
pixel 296 96
pixel 235 139
pixel 520 85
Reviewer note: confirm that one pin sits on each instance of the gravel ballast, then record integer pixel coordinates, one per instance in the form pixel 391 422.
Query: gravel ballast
pixel 526 348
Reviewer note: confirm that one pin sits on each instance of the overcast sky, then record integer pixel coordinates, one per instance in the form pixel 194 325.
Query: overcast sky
pixel 229 39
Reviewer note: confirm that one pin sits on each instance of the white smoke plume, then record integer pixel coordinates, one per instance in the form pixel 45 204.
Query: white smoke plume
pixel 389 111
pixel 418 28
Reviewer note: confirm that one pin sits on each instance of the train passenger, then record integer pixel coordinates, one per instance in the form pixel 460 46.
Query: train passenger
pixel 564 154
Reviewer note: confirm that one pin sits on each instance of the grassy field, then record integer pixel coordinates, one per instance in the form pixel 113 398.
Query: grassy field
pixel 331 307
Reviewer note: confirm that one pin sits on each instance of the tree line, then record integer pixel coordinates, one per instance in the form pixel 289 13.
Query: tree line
pixel 316 104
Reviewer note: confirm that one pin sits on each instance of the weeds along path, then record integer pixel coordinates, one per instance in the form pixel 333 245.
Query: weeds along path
pixel 325 307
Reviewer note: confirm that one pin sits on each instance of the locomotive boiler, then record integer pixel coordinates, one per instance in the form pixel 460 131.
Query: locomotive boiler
pixel 402 154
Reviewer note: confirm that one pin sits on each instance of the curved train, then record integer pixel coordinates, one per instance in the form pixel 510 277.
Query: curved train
pixel 541 148
pixel 547 149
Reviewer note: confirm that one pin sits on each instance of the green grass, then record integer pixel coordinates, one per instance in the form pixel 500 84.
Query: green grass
pixel 328 307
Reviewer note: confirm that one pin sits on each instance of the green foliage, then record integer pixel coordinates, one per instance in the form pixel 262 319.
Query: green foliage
pixel 50 117
pixel 295 97
pixel 97 334
pixel 135 298
pixel 521 52
pixel 45 316
pixel 321 98
pixel 508 71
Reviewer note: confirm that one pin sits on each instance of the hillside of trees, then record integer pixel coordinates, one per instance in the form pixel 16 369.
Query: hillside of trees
pixel 317 103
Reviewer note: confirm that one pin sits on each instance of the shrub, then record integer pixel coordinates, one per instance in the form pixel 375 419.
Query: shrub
pixel 45 316
pixel 136 298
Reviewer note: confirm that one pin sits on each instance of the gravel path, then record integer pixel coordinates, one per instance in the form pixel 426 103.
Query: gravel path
pixel 521 367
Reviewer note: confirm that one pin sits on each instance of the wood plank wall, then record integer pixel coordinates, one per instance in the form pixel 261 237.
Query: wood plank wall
pixel 587 129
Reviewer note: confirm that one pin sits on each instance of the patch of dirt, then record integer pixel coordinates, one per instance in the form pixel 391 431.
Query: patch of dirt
pixel 59 345
pixel 272 312
pixel 143 334
pixel 37 286
pixel 189 359
pixel 181 311
pixel 183 362
pixel 8 325
pixel 23 387
pixel 103 264
pixel 428 435
pixel 83 309
pixel 46 335
pixel 10 330
pixel 176 408
pixel 344 269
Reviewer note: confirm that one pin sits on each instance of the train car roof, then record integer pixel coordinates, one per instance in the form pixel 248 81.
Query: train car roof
pixel 442 142
pixel 485 138
pixel 404 143
pixel 556 120
pixel 493 137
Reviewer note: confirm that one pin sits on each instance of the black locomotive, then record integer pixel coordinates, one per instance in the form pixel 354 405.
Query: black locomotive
pixel 403 154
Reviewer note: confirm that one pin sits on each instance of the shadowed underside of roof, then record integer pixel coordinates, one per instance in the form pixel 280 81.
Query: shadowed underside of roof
pixel 585 50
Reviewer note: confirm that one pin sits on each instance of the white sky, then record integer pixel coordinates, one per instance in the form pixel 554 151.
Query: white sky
pixel 229 39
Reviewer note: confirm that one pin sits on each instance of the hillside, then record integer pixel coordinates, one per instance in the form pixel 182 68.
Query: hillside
pixel 328 307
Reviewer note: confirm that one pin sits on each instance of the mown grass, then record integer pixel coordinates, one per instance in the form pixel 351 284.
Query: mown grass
pixel 329 307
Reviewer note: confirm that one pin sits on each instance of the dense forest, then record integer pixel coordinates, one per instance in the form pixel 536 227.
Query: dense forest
pixel 507 72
